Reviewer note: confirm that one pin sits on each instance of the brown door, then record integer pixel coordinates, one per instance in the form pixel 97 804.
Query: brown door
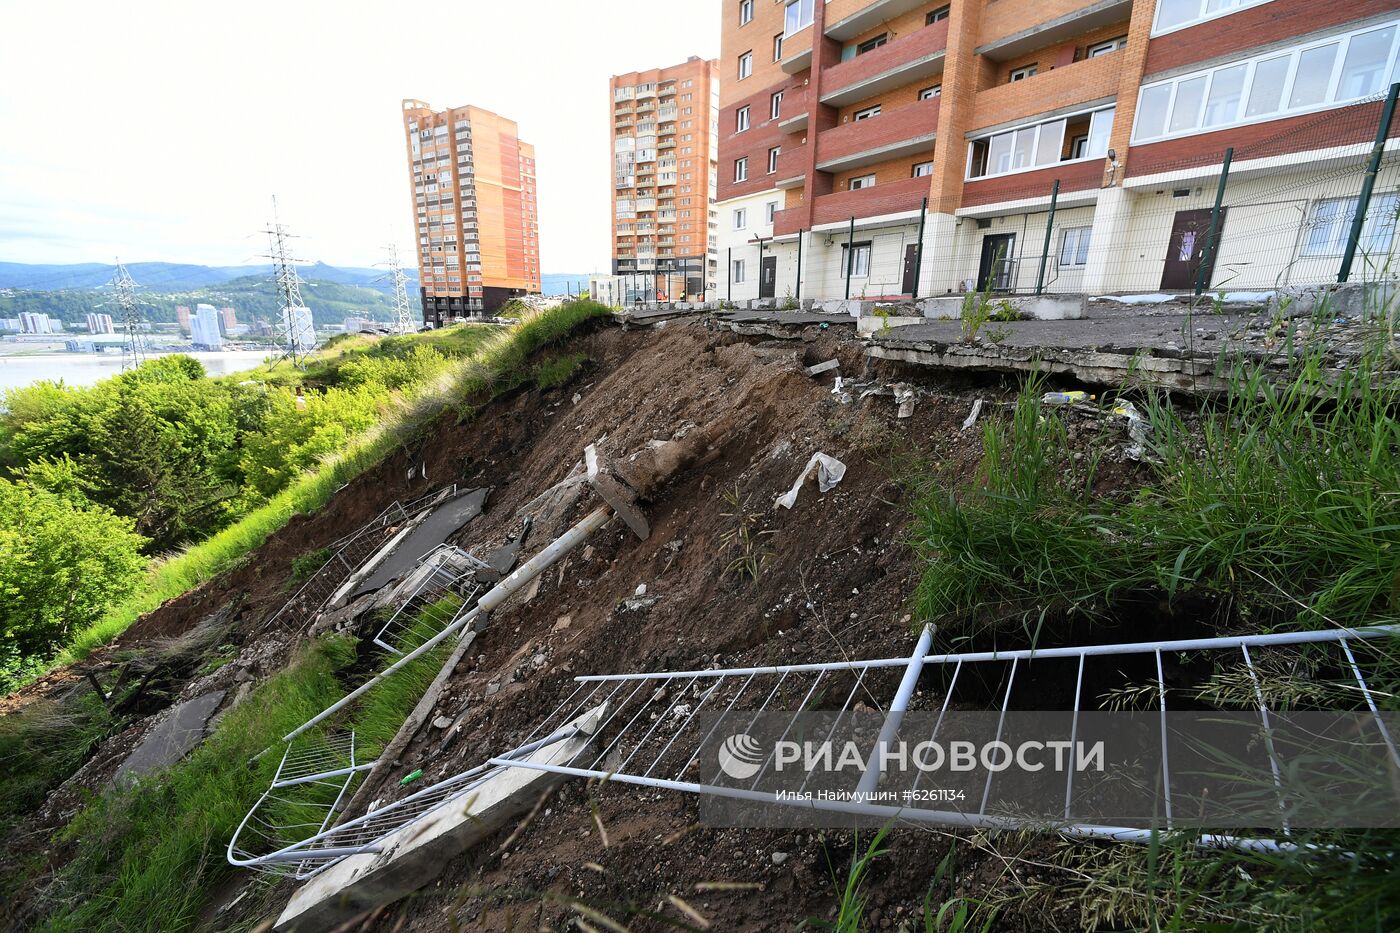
pixel 911 267
pixel 1186 250
pixel 768 277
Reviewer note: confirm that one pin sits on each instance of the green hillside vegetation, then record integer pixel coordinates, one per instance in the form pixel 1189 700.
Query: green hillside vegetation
pixel 189 473
pixel 251 297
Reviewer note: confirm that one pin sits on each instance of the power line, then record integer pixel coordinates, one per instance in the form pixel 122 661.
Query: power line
pixel 134 346
pixel 298 330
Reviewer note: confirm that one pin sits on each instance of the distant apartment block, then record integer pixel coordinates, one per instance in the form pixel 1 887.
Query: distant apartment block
pixel 475 210
pixel 182 317
pixel 228 321
pixel 664 147
pixel 31 322
pixel 100 323
pixel 205 328
pixel 848 127
pixel 299 328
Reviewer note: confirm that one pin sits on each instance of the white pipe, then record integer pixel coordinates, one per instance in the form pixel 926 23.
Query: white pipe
pixel 871 778
pixel 492 600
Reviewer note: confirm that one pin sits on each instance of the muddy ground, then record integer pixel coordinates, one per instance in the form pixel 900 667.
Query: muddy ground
pixel 834 578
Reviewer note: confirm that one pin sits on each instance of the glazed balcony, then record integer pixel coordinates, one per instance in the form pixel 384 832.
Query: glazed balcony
pixel 797 52
pixel 1004 37
pixel 906 131
pixel 916 56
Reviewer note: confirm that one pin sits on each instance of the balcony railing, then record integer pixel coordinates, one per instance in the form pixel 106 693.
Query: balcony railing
pixel 918 54
pixel 1077 83
pixel 888 136
pixel 891 198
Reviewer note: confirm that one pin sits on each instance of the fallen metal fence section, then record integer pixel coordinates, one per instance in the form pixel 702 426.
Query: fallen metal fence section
pixel 447 588
pixel 348 554
pixel 652 736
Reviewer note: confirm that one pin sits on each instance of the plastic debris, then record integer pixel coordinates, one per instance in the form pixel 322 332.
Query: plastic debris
pixel 411 777
pixel 972 418
pixel 1138 428
pixel 829 473
pixel 839 390
pixel 1065 398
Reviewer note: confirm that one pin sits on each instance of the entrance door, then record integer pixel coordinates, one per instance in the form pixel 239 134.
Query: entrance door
pixel 911 267
pixel 768 277
pixel 1186 249
pixel 998 257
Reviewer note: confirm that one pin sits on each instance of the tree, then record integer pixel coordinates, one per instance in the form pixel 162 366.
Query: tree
pixel 302 430
pixel 62 564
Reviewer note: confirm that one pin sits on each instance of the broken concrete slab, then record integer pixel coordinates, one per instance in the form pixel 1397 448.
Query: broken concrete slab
pixel 823 367
pixel 444 520
pixel 414 854
pixel 182 728
pixel 616 493
pixel 1036 307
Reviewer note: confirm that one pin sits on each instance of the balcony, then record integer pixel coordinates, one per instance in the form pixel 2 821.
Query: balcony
pixel 1070 18
pixel 897 197
pixel 913 57
pixel 1083 82
pixel 846 19
pixel 792 167
pixel 793 118
pixel 906 131
pixel 797 52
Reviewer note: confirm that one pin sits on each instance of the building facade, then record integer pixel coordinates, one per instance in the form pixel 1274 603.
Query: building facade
pixel 99 323
pixel 883 148
pixel 205 332
pixel 663 149
pixel 472 185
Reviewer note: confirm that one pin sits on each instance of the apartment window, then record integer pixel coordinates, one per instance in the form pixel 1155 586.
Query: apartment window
pixel 773 159
pixel 1321 74
pixel 1074 246
pixel 866 113
pixel 745 65
pixel 870 45
pixel 797 16
pixel 929 93
pixel 1038 145
pixel 1178 14
pixel 778 47
pixel 741 169
pixel 921 169
pixel 1103 48
pixel 1079 146
pixel 741 119
pixel 1329 224
pixel 856 259
pixel 770 210
pixel 741 218
pixel 736 271
pixel 775 106
pixel 936 16
pixel 861 181
pixel 745 11
pixel 1022 73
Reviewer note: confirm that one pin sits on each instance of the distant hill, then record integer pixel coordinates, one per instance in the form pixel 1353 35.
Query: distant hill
pixel 173 276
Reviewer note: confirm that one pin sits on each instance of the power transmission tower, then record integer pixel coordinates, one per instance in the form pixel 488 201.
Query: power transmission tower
pixel 134 346
pixel 404 321
pixel 298 330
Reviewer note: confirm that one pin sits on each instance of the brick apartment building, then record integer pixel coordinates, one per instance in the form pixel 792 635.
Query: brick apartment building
pixel 865 108
pixel 474 208
pixel 664 147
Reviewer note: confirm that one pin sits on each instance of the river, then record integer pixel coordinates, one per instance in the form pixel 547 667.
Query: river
pixel 85 369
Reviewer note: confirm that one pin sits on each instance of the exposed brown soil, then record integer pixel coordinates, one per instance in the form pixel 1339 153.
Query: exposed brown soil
pixel 836 580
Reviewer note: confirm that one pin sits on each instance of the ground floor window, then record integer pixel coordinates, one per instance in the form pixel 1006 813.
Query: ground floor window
pixel 1329 224
pixel 1074 246
pixel 736 270
pixel 857 260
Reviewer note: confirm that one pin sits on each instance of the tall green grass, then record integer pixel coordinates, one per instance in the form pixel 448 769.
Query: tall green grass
pixel 498 362
pixel 1284 493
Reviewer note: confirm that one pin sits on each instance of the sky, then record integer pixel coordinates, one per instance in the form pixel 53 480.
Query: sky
pixel 158 131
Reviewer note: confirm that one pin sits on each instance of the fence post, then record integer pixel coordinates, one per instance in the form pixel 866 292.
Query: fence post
pixel 1208 253
pixel 760 272
pixel 850 255
pixel 1049 233
pixel 919 251
pixel 1368 182
pixel 729 277
pixel 798 296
